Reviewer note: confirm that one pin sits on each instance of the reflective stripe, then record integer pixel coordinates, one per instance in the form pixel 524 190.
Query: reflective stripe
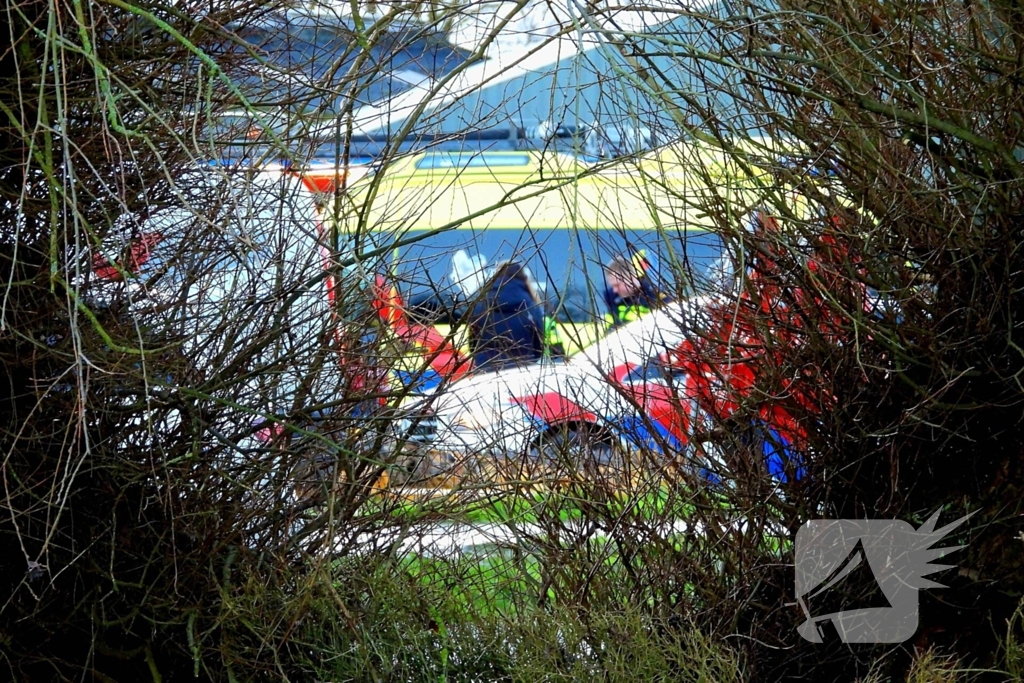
pixel 628 314
pixel 552 336
pixel 625 314
pixel 551 331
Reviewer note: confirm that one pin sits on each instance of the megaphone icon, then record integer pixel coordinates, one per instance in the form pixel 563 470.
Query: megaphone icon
pixel 850 586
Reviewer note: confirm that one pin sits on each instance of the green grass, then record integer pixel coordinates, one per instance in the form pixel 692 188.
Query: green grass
pixel 530 507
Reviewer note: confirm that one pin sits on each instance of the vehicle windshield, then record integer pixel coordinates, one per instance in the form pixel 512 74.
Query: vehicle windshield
pixel 566 264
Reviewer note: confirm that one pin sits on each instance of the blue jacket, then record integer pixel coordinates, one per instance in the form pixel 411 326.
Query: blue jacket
pixel 507 327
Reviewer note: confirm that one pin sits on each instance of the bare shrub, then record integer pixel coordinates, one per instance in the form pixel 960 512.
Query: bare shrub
pixel 208 469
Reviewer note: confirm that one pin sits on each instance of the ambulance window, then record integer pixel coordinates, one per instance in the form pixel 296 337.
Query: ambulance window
pixel 567 264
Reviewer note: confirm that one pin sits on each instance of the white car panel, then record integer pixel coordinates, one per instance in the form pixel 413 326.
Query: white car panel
pixel 479 414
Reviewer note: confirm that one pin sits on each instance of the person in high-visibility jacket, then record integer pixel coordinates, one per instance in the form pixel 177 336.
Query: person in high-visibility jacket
pixel 553 346
pixel 630 291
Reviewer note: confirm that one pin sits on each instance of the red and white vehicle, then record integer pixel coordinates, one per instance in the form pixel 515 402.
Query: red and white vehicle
pixel 511 410
pixel 659 383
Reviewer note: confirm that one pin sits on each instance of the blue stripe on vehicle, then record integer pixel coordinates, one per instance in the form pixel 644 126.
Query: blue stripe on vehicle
pixel 635 430
pixel 778 453
pixel 420 381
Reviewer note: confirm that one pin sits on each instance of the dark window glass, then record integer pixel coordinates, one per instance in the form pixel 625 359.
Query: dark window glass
pixel 294 61
pixel 566 263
